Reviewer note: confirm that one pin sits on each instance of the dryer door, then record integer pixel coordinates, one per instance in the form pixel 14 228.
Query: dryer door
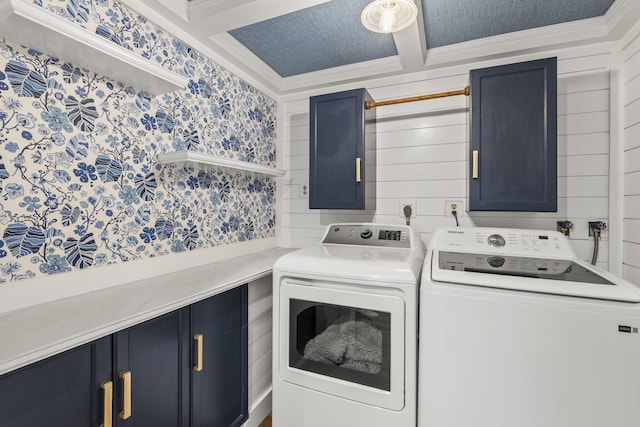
pixel 345 341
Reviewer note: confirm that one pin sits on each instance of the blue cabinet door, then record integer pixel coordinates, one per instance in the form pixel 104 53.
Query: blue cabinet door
pixel 219 394
pixel 159 355
pixel 156 354
pixel 61 391
pixel 342 135
pixel 513 155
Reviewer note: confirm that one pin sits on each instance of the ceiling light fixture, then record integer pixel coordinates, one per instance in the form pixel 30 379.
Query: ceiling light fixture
pixel 388 16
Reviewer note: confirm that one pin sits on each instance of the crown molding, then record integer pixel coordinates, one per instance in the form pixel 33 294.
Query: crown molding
pixel 227 46
pixel 621 17
pixel 569 34
pixel 457 72
pixel 630 36
pixel 342 74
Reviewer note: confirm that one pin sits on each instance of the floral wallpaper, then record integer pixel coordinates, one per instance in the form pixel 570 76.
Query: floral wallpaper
pixel 80 183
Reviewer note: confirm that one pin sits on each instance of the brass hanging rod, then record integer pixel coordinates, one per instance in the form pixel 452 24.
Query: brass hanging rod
pixel 371 104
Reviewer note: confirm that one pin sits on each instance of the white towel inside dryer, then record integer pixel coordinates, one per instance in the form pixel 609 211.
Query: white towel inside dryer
pixel 351 344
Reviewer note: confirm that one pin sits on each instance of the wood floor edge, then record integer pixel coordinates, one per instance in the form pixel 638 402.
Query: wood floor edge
pixel 266 422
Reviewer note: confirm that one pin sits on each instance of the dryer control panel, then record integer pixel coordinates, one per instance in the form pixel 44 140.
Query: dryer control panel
pixel 390 236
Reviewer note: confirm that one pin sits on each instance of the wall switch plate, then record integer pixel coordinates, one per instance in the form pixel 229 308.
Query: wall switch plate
pixel 412 203
pixel 451 205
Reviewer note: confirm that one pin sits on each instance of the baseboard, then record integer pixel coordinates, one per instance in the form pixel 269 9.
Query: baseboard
pixel 259 411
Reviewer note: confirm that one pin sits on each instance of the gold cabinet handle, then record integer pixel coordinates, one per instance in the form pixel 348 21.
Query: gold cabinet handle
pixel 200 342
pixel 126 394
pixel 475 164
pixel 358 165
pixel 107 403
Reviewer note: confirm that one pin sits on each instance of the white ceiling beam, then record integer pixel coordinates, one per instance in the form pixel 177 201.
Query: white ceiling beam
pixel 249 13
pixel 411 44
pixel 621 17
pixel 178 7
pixel 206 8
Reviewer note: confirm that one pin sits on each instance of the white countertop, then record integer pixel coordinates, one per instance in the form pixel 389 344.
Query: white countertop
pixel 34 333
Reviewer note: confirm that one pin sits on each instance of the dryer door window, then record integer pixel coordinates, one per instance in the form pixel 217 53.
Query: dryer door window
pixel 348 343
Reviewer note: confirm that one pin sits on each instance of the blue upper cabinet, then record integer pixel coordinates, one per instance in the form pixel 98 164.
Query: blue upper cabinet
pixel 513 153
pixel 342 151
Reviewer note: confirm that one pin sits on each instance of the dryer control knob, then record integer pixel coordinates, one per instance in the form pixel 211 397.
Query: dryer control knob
pixel 366 233
pixel 496 240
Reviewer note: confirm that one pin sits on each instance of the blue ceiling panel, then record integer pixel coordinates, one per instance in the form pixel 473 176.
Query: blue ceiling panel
pixel 454 21
pixel 331 35
pixel 324 36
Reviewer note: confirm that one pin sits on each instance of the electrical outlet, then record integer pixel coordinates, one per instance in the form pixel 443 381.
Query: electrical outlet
pixel 453 205
pixel 304 190
pixel 412 203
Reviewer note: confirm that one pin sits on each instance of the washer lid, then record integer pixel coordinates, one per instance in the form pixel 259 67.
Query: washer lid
pixel 571 277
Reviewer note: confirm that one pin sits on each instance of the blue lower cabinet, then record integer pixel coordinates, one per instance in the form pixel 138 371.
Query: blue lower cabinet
pixel 219 328
pixel 60 391
pixel 185 368
pixel 151 373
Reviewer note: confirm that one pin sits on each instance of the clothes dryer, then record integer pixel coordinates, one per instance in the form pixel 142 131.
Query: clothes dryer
pixel 345 329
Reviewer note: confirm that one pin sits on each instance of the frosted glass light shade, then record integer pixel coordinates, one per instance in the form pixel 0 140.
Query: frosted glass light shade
pixel 388 16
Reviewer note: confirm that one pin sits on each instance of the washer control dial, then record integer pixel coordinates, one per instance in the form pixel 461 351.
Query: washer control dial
pixel 496 261
pixel 496 240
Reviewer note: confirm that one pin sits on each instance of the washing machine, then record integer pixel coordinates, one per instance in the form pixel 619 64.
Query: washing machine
pixel 515 331
pixel 345 329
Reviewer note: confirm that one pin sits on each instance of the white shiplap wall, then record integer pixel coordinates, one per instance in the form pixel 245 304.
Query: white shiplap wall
pixel 631 211
pixel 422 153
pixel 260 345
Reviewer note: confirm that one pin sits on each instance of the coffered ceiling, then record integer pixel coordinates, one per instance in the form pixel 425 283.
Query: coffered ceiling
pixel 292 45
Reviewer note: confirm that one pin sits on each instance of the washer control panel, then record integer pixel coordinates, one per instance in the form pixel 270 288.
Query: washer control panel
pixel 502 240
pixel 368 235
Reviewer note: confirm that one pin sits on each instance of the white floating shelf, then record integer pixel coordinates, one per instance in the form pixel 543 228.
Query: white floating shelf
pixel 207 159
pixel 39 29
